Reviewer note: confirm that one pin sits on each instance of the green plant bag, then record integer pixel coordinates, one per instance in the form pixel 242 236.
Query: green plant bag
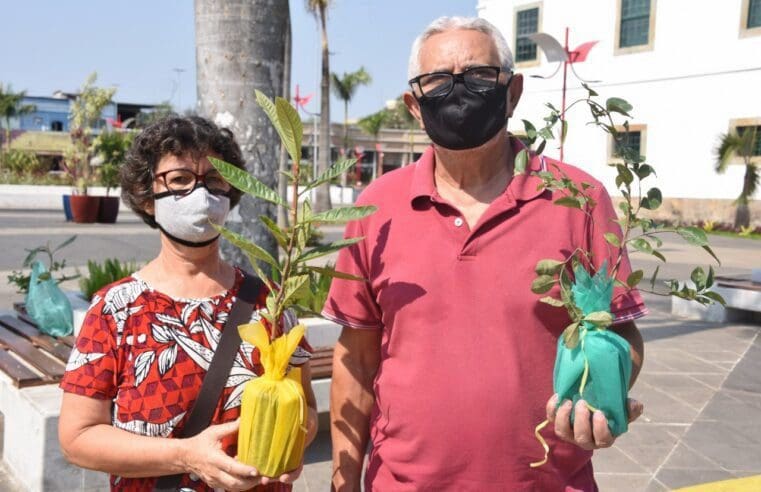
pixel 597 369
pixel 47 305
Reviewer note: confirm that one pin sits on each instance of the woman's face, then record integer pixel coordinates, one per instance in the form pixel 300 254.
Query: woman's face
pixel 170 176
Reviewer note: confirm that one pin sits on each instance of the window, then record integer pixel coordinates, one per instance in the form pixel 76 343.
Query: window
pixel 526 23
pixel 634 140
pixel 754 14
pixel 756 141
pixel 635 26
pixel 750 23
pixel 56 126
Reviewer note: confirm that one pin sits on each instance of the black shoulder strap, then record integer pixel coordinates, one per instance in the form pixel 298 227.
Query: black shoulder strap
pixel 219 370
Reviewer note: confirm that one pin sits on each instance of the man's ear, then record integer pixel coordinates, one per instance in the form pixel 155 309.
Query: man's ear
pixel 414 107
pixel 514 92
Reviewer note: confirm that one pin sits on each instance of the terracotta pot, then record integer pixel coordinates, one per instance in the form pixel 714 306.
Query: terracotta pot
pixel 84 208
pixel 109 209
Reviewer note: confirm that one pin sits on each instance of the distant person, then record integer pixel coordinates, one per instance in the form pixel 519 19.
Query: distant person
pixel 147 340
pixel 446 356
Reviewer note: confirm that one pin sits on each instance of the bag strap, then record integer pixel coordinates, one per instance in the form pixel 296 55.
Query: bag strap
pixel 219 370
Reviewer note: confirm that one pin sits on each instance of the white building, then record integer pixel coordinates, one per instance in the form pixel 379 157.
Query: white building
pixel 692 71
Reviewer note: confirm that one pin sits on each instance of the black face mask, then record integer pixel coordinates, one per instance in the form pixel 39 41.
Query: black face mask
pixel 464 119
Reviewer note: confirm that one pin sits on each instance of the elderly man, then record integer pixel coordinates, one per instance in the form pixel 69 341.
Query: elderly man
pixel 445 360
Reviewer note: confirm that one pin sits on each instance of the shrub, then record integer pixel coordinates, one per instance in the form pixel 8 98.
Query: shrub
pixel 20 162
pixel 100 276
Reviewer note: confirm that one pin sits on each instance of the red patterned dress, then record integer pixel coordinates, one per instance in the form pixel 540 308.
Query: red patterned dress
pixel 149 352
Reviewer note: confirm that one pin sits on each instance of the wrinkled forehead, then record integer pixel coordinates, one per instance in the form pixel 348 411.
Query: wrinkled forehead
pixel 456 50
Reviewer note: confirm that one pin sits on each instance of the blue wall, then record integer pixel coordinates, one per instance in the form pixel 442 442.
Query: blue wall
pixel 50 110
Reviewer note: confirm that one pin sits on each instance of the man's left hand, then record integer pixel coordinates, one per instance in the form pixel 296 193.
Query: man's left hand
pixel 590 429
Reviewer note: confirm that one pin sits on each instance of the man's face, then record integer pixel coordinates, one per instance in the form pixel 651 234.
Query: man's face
pixel 457 50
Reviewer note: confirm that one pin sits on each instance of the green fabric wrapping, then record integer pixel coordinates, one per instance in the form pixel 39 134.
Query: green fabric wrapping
pixel 608 355
pixel 47 305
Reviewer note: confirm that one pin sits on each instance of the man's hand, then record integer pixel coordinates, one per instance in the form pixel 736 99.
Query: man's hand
pixel 590 429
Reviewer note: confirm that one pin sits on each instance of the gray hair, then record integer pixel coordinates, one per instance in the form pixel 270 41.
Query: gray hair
pixel 443 24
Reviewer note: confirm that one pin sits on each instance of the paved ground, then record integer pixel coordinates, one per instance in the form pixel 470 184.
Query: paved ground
pixel 700 383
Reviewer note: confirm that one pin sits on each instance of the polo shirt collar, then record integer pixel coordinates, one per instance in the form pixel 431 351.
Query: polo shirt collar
pixel 522 187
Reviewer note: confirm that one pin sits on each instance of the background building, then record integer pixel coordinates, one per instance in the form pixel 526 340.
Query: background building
pixel 692 71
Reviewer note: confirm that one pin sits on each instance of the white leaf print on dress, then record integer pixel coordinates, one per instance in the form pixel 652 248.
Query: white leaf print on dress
pixel 167 359
pixel 170 320
pixel 143 366
pixel 77 359
pixel 150 429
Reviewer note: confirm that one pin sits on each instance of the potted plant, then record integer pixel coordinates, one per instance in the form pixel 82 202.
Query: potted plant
pixel 110 148
pixel 593 363
pixel 84 115
pixel 271 434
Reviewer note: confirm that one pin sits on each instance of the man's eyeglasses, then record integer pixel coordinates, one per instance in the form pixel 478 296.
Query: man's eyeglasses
pixel 181 182
pixel 440 84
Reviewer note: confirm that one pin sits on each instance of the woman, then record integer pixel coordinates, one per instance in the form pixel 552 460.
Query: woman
pixel 148 339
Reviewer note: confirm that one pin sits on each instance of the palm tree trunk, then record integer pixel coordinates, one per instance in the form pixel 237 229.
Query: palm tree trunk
pixel 240 46
pixel 322 194
pixel 345 176
pixel 282 183
pixel 742 213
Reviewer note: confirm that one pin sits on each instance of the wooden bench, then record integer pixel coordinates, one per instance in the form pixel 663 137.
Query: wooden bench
pixel 31 366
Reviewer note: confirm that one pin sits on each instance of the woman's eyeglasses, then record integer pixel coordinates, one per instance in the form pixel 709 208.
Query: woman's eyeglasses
pixel 181 182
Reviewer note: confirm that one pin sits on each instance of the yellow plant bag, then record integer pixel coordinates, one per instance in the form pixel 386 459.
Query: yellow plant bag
pixel 273 409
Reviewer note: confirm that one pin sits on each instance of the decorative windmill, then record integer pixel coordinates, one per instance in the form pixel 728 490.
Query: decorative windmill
pixel 300 101
pixel 555 52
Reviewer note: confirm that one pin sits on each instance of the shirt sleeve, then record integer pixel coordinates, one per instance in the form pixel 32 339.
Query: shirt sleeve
pixel 92 367
pixel 627 304
pixel 352 302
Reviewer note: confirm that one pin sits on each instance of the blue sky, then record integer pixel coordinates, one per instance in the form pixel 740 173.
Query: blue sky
pixel 136 44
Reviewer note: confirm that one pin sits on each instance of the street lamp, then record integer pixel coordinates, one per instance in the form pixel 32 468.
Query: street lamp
pixel 555 52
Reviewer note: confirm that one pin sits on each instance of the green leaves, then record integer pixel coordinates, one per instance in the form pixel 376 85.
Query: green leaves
pixel 697 237
pixel 653 199
pixel 333 171
pixel 634 278
pixel 548 267
pixel 328 249
pixel 571 335
pixel 521 161
pixel 612 239
pixel 600 319
pixel 331 272
pixel 246 183
pixel 251 249
pixel 618 105
pixel 570 201
pixel 542 284
pixel 552 301
pixel 286 121
pixel 343 214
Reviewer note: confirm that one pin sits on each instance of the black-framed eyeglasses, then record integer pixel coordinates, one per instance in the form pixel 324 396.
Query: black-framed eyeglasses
pixel 181 182
pixel 440 84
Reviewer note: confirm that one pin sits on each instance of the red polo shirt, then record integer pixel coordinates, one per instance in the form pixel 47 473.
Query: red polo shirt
pixel 467 350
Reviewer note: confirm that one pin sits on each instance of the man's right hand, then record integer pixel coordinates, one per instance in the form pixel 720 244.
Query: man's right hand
pixel 202 456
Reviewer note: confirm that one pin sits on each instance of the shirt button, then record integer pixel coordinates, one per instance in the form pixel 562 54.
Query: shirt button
pixel 458 222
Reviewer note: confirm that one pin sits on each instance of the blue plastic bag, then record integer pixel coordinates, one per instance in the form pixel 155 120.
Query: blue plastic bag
pixel 47 305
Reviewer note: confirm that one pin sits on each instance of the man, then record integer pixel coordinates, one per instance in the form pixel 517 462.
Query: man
pixel 446 356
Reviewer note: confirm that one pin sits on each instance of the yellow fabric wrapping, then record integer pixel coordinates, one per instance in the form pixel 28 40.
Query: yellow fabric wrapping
pixel 272 430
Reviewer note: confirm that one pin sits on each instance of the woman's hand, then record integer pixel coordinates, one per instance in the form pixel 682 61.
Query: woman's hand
pixel 202 455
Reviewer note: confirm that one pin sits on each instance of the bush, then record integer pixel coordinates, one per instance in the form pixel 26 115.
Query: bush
pixel 21 279
pixel 21 163
pixel 100 276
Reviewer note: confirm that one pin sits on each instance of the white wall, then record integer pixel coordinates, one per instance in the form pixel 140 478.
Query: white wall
pixel 695 44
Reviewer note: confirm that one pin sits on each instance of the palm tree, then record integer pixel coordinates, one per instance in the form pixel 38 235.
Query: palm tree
pixel 240 47
pixel 344 88
pixel 322 197
pixel 372 125
pixel 11 107
pixel 743 143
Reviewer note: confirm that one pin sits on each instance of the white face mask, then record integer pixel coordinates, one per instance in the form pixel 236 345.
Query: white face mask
pixel 188 219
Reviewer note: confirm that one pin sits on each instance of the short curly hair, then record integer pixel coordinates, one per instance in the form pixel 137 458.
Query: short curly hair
pixel 178 136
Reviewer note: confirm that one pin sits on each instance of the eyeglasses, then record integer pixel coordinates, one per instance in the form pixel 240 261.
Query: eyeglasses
pixel 181 182
pixel 440 84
